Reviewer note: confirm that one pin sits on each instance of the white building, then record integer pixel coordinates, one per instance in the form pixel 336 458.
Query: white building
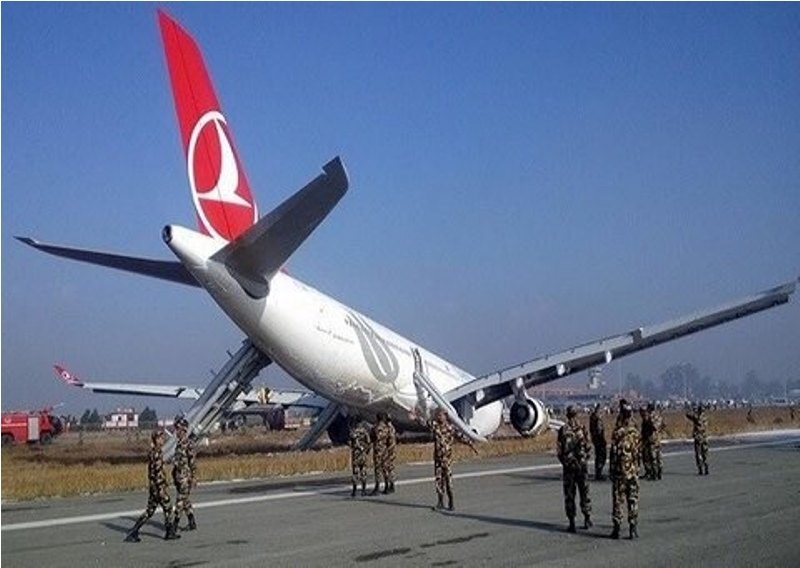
pixel 122 418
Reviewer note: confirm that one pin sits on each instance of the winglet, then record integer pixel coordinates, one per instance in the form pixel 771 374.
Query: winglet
pixel 67 377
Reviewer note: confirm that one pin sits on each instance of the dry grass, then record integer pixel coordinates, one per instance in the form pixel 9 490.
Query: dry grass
pixel 106 462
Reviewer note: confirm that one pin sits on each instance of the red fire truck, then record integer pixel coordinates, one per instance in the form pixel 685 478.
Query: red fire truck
pixel 22 426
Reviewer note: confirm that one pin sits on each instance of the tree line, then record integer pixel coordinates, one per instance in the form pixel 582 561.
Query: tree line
pixel 685 381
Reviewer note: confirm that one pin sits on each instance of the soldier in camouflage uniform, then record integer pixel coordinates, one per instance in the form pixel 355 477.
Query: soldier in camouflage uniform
pixel 624 470
pixel 573 453
pixel 158 494
pixel 658 429
pixel 380 441
pixel 391 453
pixel 443 457
pixel 184 472
pixel 359 452
pixel 648 433
pixel 596 429
pixel 699 433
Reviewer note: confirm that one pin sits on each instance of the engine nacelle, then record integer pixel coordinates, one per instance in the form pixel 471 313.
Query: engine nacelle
pixel 529 417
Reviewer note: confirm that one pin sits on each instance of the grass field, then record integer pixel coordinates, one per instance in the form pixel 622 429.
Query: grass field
pixel 103 462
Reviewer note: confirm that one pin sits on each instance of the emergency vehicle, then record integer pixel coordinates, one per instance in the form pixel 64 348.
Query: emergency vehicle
pixel 22 426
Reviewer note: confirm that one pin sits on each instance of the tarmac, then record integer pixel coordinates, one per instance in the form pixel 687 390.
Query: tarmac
pixel 508 512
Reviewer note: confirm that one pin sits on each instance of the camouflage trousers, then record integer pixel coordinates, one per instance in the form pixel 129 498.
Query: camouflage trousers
pixel 599 458
pixel 159 496
pixel 359 468
pixel 651 459
pixel 443 470
pixel 625 490
pixel 576 479
pixel 388 466
pixel 182 502
pixel 379 465
pixel 701 454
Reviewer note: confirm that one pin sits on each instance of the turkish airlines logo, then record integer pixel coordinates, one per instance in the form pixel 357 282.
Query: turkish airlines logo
pixel 67 377
pixel 215 180
pixel 380 359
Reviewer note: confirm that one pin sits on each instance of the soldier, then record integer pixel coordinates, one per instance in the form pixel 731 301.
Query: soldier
pixel 391 453
pixel 624 470
pixel 380 435
pixel 184 472
pixel 443 457
pixel 596 429
pixel 359 452
pixel 658 429
pixel 573 453
pixel 699 433
pixel 648 442
pixel 158 494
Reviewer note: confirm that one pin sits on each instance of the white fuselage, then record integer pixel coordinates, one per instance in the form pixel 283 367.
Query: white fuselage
pixel 323 344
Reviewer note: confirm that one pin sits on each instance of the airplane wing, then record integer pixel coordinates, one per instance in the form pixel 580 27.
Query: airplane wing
pixel 500 384
pixel 263 397
pixel 172 271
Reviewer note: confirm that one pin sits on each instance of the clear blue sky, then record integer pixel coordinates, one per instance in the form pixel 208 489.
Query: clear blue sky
pixel 524 177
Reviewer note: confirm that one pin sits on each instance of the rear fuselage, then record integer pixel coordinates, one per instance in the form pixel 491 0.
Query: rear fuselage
pixel 323 344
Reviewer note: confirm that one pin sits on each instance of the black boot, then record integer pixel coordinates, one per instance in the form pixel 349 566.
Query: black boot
pixel 391 487
pixel 192 523
pixel 571 527
pixel 133 535
pixel 615 532
pixel 706 469
pixel 439 503
pixel 587 522
pixel 172 532
pixel 633 532
pixel 353 492
pixel 364 489
pixel 450 506
pixel 376 490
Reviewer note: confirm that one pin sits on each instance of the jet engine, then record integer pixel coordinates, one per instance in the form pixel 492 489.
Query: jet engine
pixel 529 416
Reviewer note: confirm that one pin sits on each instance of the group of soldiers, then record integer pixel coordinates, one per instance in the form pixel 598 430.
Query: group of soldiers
pixel 183 476
pixel 382 440
pixel 630 450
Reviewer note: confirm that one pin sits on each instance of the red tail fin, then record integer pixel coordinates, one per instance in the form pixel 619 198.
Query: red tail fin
pixel 67 377
pixel 222 199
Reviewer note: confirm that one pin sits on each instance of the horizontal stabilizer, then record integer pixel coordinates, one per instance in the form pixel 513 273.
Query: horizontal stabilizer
pixel 163 269
pixel 255 256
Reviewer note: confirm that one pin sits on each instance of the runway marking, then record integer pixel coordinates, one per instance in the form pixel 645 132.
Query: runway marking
pixel 49 523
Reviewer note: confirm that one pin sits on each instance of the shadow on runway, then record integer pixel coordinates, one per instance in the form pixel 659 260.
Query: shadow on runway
pixel 534 476
pixel 525 523
pixel 380 500
pixel 296 485
pixel 124 529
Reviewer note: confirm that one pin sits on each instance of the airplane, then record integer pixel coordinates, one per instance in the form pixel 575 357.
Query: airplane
pixel 262 401
pixel 357 365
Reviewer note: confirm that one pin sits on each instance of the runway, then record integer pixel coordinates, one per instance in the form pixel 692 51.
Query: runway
pixel 509 512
